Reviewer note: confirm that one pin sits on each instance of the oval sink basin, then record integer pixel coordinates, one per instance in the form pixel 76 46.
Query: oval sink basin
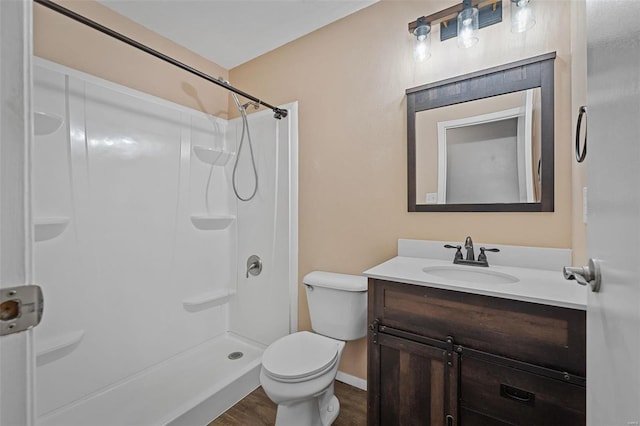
pixel 470 274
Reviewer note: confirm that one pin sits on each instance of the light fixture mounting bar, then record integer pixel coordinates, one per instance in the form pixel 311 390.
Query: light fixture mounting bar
pixel 452 12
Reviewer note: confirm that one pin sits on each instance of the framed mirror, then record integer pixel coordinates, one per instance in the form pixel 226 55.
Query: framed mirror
pixel 484 141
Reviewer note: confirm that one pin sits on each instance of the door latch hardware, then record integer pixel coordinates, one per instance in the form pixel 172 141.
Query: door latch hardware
pixel 374 327
pixel 584 275
pixel 450 351
pixel 20 308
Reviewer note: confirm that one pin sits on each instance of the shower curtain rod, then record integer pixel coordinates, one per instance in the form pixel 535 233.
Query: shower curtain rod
pixel 278 112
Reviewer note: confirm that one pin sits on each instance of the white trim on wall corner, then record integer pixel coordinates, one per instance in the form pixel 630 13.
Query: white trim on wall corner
pixel 352 380
pixel 293 214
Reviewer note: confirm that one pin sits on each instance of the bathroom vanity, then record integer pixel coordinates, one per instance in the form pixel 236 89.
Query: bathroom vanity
pixel 503 345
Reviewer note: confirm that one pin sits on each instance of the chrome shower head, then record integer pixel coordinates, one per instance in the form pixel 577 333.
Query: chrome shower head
pixel 256 105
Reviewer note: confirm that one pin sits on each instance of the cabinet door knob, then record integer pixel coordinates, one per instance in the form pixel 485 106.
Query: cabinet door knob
pixel 584 275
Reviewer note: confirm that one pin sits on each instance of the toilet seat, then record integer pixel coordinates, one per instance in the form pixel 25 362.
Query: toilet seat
pixel 300 356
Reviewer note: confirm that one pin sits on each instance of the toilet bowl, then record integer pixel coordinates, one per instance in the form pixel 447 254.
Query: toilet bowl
pixel 298 370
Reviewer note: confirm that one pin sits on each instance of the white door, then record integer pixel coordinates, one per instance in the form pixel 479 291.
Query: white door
pixel 17 363
pixel 613 314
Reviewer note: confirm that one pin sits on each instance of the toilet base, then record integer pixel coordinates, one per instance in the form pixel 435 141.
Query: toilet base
pixel 321 410
pixel 331 411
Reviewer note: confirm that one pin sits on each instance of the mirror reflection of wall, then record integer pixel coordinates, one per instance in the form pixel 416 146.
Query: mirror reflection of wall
pixel 483 151
pixel 481 164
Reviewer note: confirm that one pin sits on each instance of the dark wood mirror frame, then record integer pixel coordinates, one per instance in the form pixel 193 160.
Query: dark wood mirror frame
pixel 514 77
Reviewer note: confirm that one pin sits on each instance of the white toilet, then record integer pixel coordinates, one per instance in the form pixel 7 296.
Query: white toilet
pixel 298 370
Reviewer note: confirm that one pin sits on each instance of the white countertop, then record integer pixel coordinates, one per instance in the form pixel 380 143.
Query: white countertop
pixel 547 287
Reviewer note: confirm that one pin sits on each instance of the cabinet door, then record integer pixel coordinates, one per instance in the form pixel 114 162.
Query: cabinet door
pixel 411 383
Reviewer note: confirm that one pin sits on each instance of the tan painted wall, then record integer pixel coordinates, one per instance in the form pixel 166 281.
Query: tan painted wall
pixel 349 79
pixel 62 40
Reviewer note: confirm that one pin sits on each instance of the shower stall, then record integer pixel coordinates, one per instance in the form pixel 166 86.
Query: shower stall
pixel 141 250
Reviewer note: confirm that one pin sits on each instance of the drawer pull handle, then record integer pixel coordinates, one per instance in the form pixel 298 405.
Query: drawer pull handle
pixel 516 394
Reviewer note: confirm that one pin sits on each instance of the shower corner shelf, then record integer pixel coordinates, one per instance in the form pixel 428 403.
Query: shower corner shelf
pixel 46 228
pixel 58 343
pixel 217 157
pixel 210 223
pixel 208 299
pixel 45 123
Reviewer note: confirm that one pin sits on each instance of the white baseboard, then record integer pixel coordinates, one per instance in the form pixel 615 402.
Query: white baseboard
pixel 352 380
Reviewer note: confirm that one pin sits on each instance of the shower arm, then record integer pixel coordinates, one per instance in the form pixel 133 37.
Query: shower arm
pixel 278 113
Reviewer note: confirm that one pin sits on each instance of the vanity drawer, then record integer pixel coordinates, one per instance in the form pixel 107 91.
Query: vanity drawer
pixel 504 395
pixel 473 418
pixel 548 336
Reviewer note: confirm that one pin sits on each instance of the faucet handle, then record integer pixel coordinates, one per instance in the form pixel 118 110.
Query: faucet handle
pixel 458 254
pixel 482 257
pixel 483 249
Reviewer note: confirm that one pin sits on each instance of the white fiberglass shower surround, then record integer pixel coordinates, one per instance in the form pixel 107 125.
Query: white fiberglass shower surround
pixel 141 250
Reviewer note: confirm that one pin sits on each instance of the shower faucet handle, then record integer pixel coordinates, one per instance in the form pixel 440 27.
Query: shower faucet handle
pixel 254 265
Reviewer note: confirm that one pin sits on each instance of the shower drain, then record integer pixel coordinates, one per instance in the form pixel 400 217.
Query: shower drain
pixel 235 355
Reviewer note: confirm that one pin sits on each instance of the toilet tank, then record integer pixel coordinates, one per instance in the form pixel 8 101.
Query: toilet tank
pixel 337 304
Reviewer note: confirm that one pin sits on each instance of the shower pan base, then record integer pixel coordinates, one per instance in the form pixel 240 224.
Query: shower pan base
pixel 192 388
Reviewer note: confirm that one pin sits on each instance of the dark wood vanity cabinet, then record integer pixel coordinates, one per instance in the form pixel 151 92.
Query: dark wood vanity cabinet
pixel 440 357
pixel 417 386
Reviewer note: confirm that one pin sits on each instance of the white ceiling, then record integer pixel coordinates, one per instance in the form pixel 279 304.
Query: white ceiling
pixel 231 32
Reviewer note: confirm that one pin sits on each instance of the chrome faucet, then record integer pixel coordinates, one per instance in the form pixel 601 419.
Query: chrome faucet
pixel 470 258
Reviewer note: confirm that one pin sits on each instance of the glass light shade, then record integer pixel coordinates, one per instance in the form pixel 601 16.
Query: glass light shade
pixel 468 25
pixel 422 48
pixel 522 17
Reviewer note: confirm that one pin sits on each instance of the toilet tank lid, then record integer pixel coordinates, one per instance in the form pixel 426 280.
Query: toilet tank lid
pixel 336 281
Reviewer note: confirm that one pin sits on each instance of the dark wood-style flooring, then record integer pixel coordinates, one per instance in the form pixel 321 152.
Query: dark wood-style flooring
pixel 256 409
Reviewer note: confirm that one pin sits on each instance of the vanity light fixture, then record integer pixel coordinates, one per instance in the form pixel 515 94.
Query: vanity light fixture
pixel 522 17
pixel 462 20
pixel 422 32
pixel 468 25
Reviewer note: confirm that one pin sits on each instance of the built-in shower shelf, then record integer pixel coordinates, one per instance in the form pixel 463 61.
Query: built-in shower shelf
pixel 45 123
pixel 46 228
pixel 58 343
pixel 210 299
pixel 217 157
pixel 212 223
